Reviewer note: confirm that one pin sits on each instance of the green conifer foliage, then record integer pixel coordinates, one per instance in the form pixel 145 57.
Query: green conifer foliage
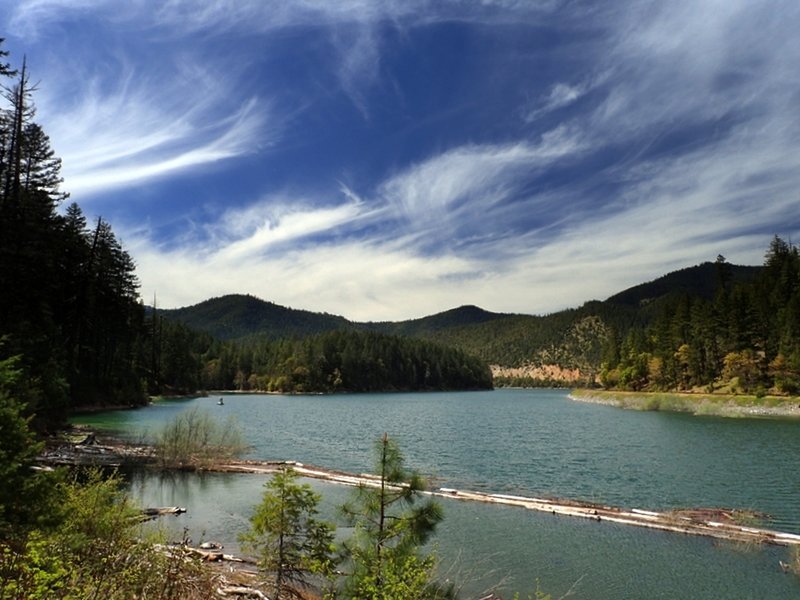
pixel 392 522
pixel 293 544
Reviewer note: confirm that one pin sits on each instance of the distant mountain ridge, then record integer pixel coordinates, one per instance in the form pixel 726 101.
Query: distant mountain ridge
pixel 567 338
pixel 455 317
pixel 238 316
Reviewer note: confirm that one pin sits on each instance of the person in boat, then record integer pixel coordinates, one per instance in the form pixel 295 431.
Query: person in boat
pixel 220 402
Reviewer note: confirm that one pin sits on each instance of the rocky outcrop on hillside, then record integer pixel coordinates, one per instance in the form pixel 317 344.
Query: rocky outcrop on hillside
pixel 538 373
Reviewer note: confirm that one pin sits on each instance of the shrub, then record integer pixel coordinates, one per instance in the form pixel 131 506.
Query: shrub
pixel 96 551
pixel 193 440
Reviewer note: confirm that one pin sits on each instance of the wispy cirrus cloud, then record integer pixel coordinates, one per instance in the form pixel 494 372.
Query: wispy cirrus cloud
pixel 681 62
pixel 564 151
pixel 455 184
pixel 252 232
pixel 560 95
pixel 127 131
pixel 29 17
pixel 352 27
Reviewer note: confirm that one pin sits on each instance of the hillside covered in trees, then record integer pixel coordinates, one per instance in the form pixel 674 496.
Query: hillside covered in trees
pixel 335 361
pixel 744 339
pixel 711 326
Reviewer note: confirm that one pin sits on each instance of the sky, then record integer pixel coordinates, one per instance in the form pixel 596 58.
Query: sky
pixel 391 159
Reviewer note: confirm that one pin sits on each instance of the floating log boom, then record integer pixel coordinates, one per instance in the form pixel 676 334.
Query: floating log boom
pixel 690 522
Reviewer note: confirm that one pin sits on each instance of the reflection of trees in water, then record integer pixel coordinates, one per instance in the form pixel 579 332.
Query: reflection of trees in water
pixel 177 484
pixel 218 504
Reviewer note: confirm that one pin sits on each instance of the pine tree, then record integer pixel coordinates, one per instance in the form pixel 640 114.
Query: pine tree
pixel 24 493
pixel 20 114
pixel 5 68
pixel 391 523
pixel 40 169
pixel 291 541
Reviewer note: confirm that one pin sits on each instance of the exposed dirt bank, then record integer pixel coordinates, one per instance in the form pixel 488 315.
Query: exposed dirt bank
pixel 539 373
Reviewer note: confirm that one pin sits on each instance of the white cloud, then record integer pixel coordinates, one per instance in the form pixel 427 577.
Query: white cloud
pixel 281 224
pixel 359 63
pixel 351 26
pixel 686 210
pixel 560 95
pixel 450 184
pixel 679 62
pixel 27 17
pixel 361 280
pixel 127 131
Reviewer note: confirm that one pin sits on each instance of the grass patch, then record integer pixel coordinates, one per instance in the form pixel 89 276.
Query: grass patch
pixel 709 404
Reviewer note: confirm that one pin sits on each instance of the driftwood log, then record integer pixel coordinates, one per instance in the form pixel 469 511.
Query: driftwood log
pixel 241 591
pixel 163 510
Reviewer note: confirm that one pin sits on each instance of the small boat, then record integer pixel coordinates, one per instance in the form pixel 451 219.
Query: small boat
pixel 220 402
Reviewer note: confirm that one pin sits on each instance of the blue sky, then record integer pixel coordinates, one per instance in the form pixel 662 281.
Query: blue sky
pixel 386 160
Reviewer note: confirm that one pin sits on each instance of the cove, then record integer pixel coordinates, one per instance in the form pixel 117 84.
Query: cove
pixel 527 443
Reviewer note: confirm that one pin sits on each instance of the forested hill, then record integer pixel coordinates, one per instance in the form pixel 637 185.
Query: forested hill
pixel 571 339
pixel 702 280
pixel 711 326
pixel 463 316
pixel 236 316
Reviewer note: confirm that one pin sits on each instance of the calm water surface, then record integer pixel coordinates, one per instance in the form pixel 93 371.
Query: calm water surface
pixel 529 443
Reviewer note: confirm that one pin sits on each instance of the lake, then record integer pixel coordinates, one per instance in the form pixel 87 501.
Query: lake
pixel 528 443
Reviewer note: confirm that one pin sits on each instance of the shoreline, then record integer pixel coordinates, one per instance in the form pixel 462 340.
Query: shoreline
pixel 696 404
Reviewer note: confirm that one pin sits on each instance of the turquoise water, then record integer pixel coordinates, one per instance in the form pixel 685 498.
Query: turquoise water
pixel 530 443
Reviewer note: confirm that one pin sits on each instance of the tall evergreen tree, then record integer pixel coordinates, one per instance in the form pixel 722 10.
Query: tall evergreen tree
pixel 5 68
pixel 20 113
pixel 68 297
pixel 40 169
pixel 391 522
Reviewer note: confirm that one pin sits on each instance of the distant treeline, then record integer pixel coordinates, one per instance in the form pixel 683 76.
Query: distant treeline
pixel 337 361
pixel 745 339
